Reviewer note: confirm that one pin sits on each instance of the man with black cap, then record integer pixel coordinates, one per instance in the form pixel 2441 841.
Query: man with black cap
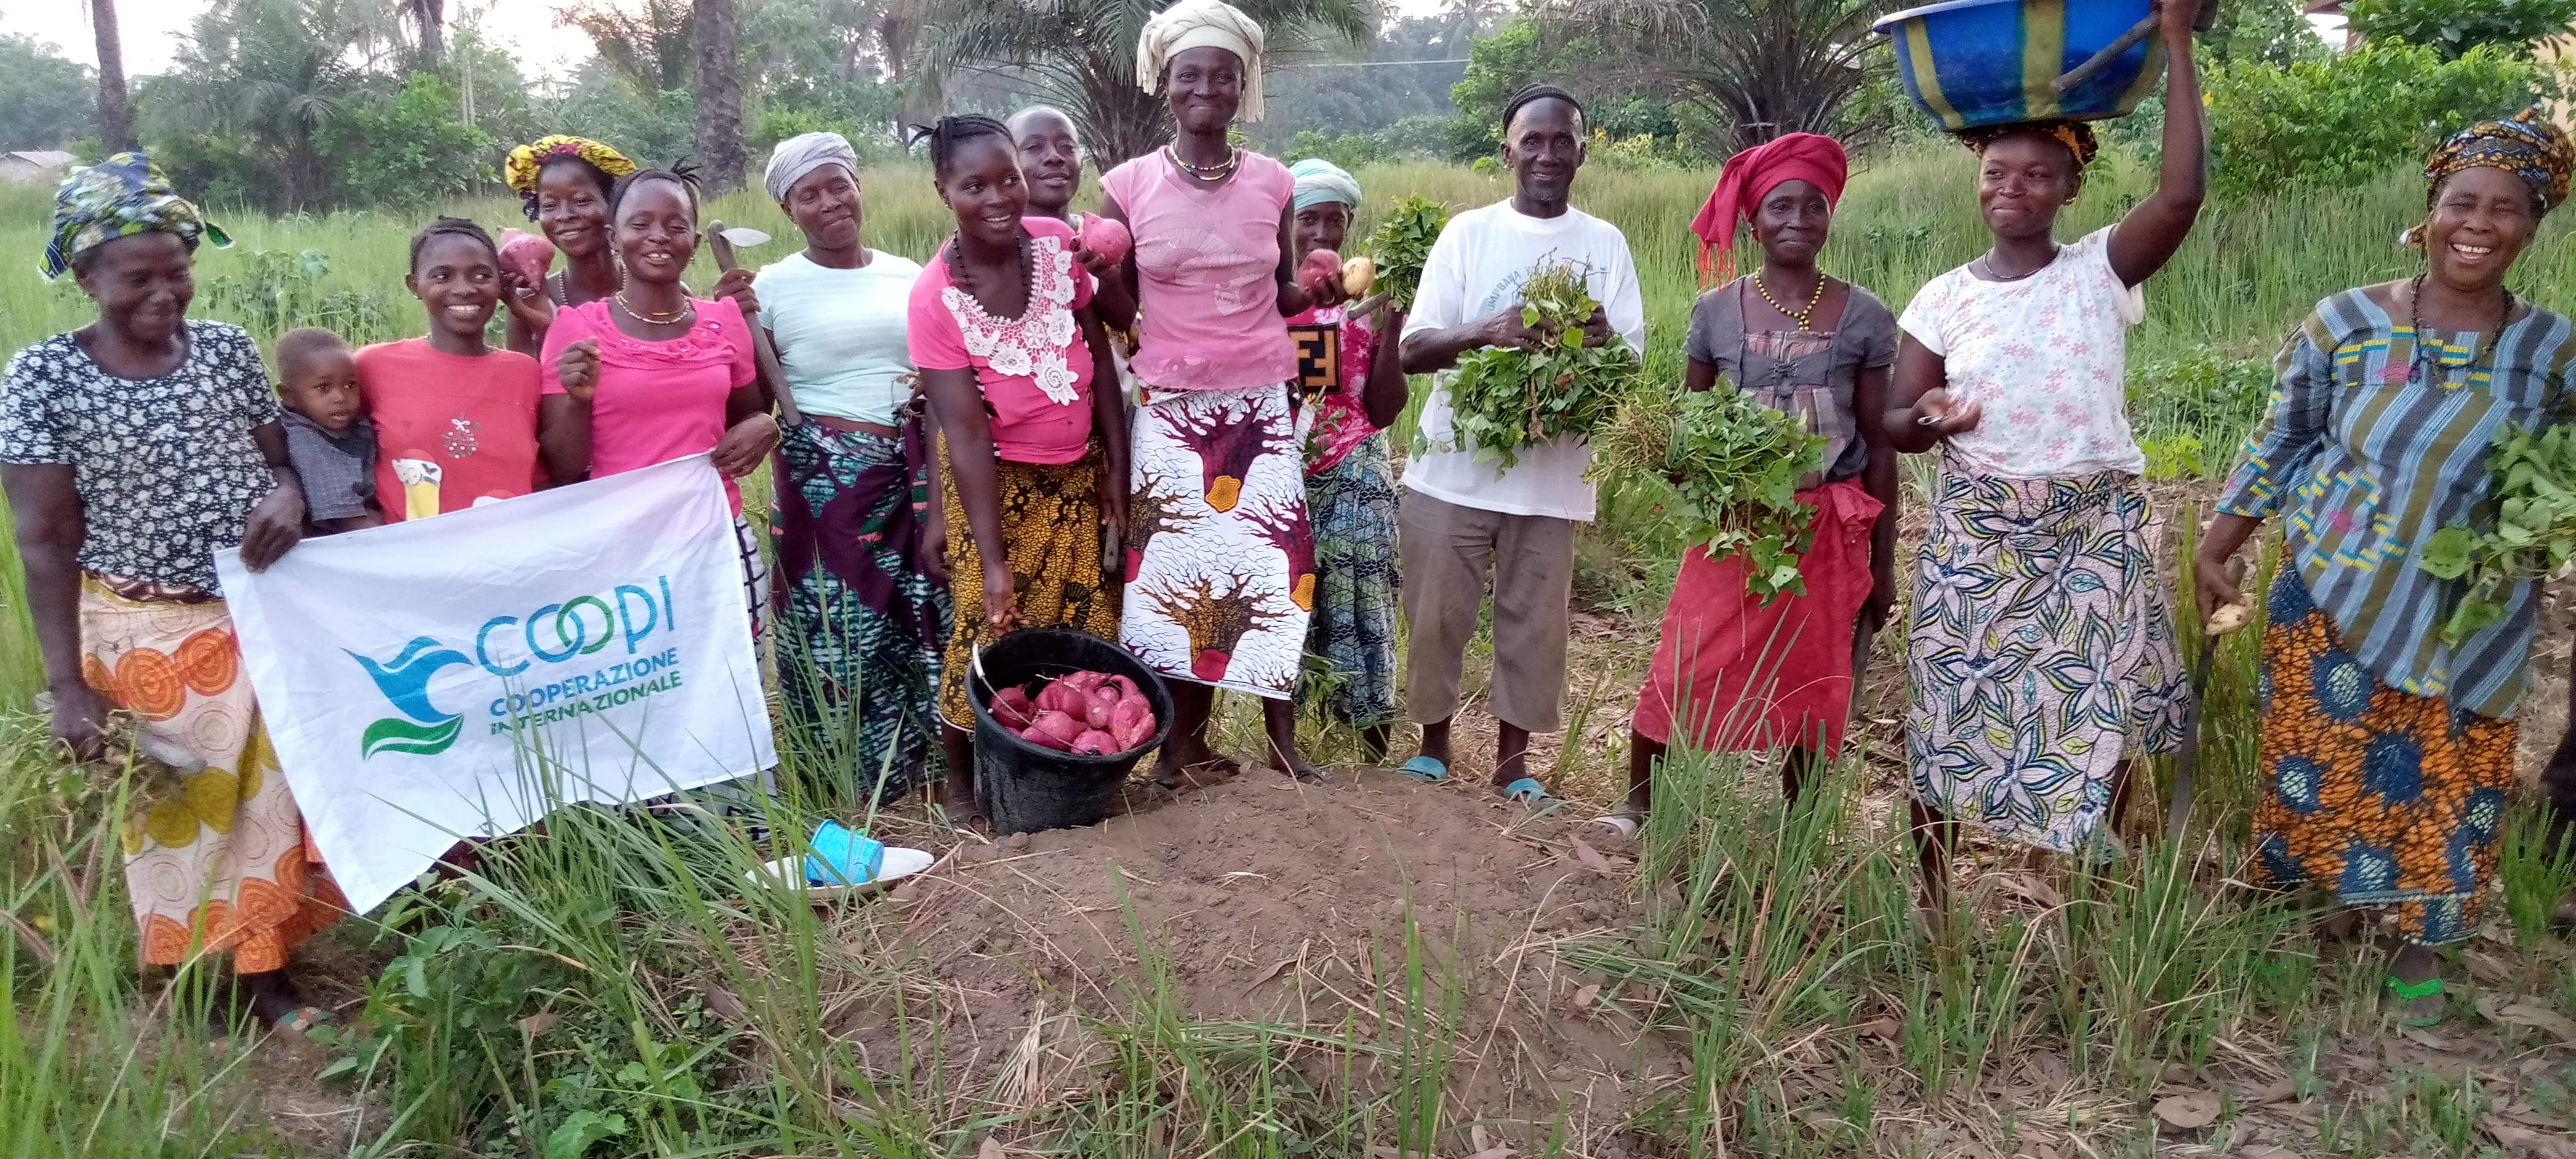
pixel 1463 522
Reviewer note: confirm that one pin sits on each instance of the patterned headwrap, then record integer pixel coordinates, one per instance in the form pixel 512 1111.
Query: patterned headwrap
pixel 2075 135
pixel 2525 146
pixel 120 197
pixel 1319 181
pixel 1190 24
pixel 528 160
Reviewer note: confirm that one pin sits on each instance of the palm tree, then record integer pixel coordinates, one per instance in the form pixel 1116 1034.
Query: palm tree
pixel 1081 54
pixel 428 19
pixel 269 72
pixel 1764 67
pixel 721 158
pixel 115 122
pixel 647 48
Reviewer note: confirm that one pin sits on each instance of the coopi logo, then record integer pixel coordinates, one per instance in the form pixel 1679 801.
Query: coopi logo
pixel 422 728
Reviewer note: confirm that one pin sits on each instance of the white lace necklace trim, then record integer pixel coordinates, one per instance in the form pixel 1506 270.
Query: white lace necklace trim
pixel 1032 345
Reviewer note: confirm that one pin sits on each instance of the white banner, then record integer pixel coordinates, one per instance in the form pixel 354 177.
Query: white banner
pixel 454 676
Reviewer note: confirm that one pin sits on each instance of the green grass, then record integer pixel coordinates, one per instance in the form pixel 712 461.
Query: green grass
pixel 608 990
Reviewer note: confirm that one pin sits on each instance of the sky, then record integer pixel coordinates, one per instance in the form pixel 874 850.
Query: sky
pixel 151 30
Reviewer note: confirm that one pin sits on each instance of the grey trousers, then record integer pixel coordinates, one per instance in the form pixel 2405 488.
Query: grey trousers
pixel 1450 554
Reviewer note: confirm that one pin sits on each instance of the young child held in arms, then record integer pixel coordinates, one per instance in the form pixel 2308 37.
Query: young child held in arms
pixel 328 440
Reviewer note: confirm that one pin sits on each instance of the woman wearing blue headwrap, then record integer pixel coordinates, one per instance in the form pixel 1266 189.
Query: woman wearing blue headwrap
pixel 133 449
pixel 1350 475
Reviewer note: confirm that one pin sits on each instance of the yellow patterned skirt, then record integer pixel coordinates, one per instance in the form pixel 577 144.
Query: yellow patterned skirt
pixel 2381 797
pixel 1051 533
pixel 221 861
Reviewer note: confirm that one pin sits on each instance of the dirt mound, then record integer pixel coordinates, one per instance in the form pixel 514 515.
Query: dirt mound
pixel 1263 899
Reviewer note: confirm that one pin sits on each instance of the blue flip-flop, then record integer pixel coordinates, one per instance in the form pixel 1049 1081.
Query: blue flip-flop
pixel 1428 770
pixel 1527 791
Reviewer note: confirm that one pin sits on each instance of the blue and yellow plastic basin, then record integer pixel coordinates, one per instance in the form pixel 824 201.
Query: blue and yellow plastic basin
pixel 1971 63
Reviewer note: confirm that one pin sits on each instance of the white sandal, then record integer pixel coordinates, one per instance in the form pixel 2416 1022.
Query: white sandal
pixel 1625 823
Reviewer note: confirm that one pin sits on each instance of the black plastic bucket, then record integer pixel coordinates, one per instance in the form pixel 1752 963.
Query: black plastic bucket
pixel 1027 787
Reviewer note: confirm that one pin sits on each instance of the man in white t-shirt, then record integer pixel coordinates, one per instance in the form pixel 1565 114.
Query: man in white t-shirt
pixel 1463 522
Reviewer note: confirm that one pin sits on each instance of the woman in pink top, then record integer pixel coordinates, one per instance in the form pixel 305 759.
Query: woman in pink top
pixel 1002 330
pixel 1220 562
pixel 649 373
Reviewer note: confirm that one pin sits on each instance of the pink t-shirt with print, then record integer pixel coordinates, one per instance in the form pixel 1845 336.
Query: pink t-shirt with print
pixel 2046 356
pixel 1333 349
pixel 1035 370
pixel 1207 263
pixel 655 401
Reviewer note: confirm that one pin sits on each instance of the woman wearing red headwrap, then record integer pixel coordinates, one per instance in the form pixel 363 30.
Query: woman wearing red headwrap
pixel 1740 674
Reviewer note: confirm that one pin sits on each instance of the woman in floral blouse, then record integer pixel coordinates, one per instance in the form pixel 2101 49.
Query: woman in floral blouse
pixel 133 449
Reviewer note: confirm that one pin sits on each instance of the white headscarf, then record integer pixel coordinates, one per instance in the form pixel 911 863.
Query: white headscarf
pixel 1202 24
pixel 802 154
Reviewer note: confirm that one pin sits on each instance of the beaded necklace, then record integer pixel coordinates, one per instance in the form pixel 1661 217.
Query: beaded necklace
pixel 1804 318
pixel 1207 173
pixel 2415 322
pixel 957 274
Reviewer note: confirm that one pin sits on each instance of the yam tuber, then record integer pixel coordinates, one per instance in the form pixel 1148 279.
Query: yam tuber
pixel 1107 237
pixel 526 255
pixel 1089 713
pixel 1320 273
pixel 1012 709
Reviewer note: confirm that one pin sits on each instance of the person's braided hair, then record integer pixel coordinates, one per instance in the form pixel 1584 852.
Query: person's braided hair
pixel 2076 136
pixel 451 227
pixel 946 134
pixel 681 173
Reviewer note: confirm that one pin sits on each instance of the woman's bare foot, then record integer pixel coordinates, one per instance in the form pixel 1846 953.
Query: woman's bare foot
pixel 1279 723
pixel 1188 762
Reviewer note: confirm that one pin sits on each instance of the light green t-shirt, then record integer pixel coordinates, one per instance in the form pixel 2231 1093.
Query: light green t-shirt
pixel 840 333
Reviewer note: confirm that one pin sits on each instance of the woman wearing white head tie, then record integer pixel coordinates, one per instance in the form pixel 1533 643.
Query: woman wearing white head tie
pixel 859 662
pixel 1220 559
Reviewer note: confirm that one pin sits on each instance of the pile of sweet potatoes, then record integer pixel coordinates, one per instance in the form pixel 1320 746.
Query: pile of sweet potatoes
pixel 1089 713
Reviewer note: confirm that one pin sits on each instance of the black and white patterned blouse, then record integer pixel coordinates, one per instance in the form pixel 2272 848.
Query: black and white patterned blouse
pixel 166 467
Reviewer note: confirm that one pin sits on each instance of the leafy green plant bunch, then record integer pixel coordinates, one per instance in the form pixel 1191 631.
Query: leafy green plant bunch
pixel 1504 399
pixel 1400 245
pixel 1735 465
pixel 2534 502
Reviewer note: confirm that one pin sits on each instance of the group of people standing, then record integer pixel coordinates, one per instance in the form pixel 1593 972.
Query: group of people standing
pixel 1142 424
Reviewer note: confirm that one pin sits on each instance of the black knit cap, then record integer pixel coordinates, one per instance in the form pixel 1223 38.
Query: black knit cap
pixel 1534 93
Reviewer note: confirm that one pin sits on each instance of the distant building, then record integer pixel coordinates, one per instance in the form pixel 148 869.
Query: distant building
pixel 35 166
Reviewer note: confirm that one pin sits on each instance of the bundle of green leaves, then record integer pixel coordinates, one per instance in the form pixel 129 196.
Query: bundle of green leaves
pixel 1503 399
pixel 1400 245
pixel 2534 505
pixel 1734 464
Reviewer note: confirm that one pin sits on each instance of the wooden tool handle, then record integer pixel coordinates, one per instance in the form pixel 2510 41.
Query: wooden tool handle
pixel 762 352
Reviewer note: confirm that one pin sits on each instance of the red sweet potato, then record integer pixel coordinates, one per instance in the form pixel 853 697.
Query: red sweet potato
pixel 1062 697
pixel 526 254
pixel 1011 708
pixel 1132 724
pixel 1055 730
pixel 1125 687
pixel 1321 269
pixel 1094 743
pixel 1104 702
pixel 1083 682
pixel 1105 237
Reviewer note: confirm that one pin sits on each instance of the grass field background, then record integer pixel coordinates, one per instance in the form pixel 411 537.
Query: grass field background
pixel 530 1010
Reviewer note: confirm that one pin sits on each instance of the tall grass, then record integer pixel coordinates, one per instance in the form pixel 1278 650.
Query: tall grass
pixel 611 989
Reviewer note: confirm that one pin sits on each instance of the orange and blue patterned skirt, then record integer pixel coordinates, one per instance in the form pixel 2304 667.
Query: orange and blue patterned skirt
pixel 2381 797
